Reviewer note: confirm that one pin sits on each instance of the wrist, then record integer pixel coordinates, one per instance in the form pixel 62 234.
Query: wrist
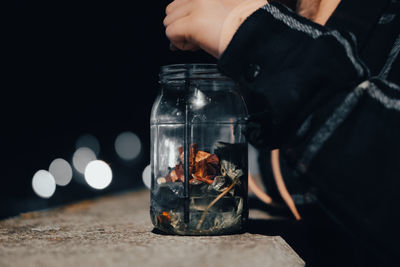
pixel 234 19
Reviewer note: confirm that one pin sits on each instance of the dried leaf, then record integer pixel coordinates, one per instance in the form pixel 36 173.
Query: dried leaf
pixel 213 159
pixel 201 155
pixel 203 166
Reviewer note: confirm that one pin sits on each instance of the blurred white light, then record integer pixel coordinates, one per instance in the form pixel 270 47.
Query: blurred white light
pixel 89 141
pixel 98 174
pixel 127 145
pixel 146 176
pixel 61 171
pixel 199 99
pixel 43 184
pixel 82 157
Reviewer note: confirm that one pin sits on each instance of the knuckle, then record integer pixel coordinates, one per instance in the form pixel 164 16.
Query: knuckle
pixel 168 31
pixel 171 31
pixel 168 9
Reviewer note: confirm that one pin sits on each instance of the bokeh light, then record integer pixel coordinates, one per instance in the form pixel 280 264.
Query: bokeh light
pixel 43 184
pixel 98 174
pixel 61 171
pixel 127 145
pixel 82 157
pixel 89 141
pixel 146 176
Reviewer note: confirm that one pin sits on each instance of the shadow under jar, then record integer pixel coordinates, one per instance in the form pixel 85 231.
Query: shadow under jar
pixel 198 153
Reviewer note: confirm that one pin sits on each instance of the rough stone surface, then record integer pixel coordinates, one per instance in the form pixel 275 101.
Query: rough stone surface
pixel 116 231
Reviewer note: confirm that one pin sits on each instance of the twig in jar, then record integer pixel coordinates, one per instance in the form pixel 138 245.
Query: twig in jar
pixel 223 193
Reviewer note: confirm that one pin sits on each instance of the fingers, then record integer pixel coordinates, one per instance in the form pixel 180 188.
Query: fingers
pixel 177 33
pixel 177 13
pixel 176 24
pixel 185 46
pixel 193 48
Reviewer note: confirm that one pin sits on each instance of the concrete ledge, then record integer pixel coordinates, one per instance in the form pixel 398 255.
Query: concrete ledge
pixel 116 231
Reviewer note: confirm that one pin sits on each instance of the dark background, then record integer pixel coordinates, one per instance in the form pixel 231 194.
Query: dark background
pixel 75 68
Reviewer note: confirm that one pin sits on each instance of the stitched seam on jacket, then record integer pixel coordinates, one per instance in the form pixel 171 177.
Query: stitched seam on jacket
pixel 341 113
pixel 387 102
pixel 314 33
pixel 386 18
pixel 390 84
pixel 332 123
pixel 392 56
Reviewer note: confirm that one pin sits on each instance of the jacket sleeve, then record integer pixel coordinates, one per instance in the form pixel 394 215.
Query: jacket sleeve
pixel 290 66
pixel 312 97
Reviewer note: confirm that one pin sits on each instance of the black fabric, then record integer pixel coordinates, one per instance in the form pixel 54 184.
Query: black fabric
pixel 359 17
pixel 320 95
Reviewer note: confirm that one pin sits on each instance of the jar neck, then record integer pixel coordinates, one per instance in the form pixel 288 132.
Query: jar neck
pixel 181 76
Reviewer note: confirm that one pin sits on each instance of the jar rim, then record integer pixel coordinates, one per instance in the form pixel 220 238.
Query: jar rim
pixel 191 71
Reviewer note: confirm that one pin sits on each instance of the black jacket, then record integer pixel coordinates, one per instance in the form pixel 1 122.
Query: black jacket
pixel 329 98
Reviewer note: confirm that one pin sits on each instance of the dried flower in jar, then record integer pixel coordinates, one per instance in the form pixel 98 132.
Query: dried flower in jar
pixel 203 167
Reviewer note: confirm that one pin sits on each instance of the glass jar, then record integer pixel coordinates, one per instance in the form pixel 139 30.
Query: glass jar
pixel 198 153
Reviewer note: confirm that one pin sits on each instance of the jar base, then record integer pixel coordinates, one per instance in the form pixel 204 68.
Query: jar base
pixel 214 223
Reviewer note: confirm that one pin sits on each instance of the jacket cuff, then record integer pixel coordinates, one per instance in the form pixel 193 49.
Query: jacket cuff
pixel 235 18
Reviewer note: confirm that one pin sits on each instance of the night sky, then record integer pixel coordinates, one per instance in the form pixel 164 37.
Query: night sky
pixel 75 68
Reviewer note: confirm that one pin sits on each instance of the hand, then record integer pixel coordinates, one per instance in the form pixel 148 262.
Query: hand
pixel 197 24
